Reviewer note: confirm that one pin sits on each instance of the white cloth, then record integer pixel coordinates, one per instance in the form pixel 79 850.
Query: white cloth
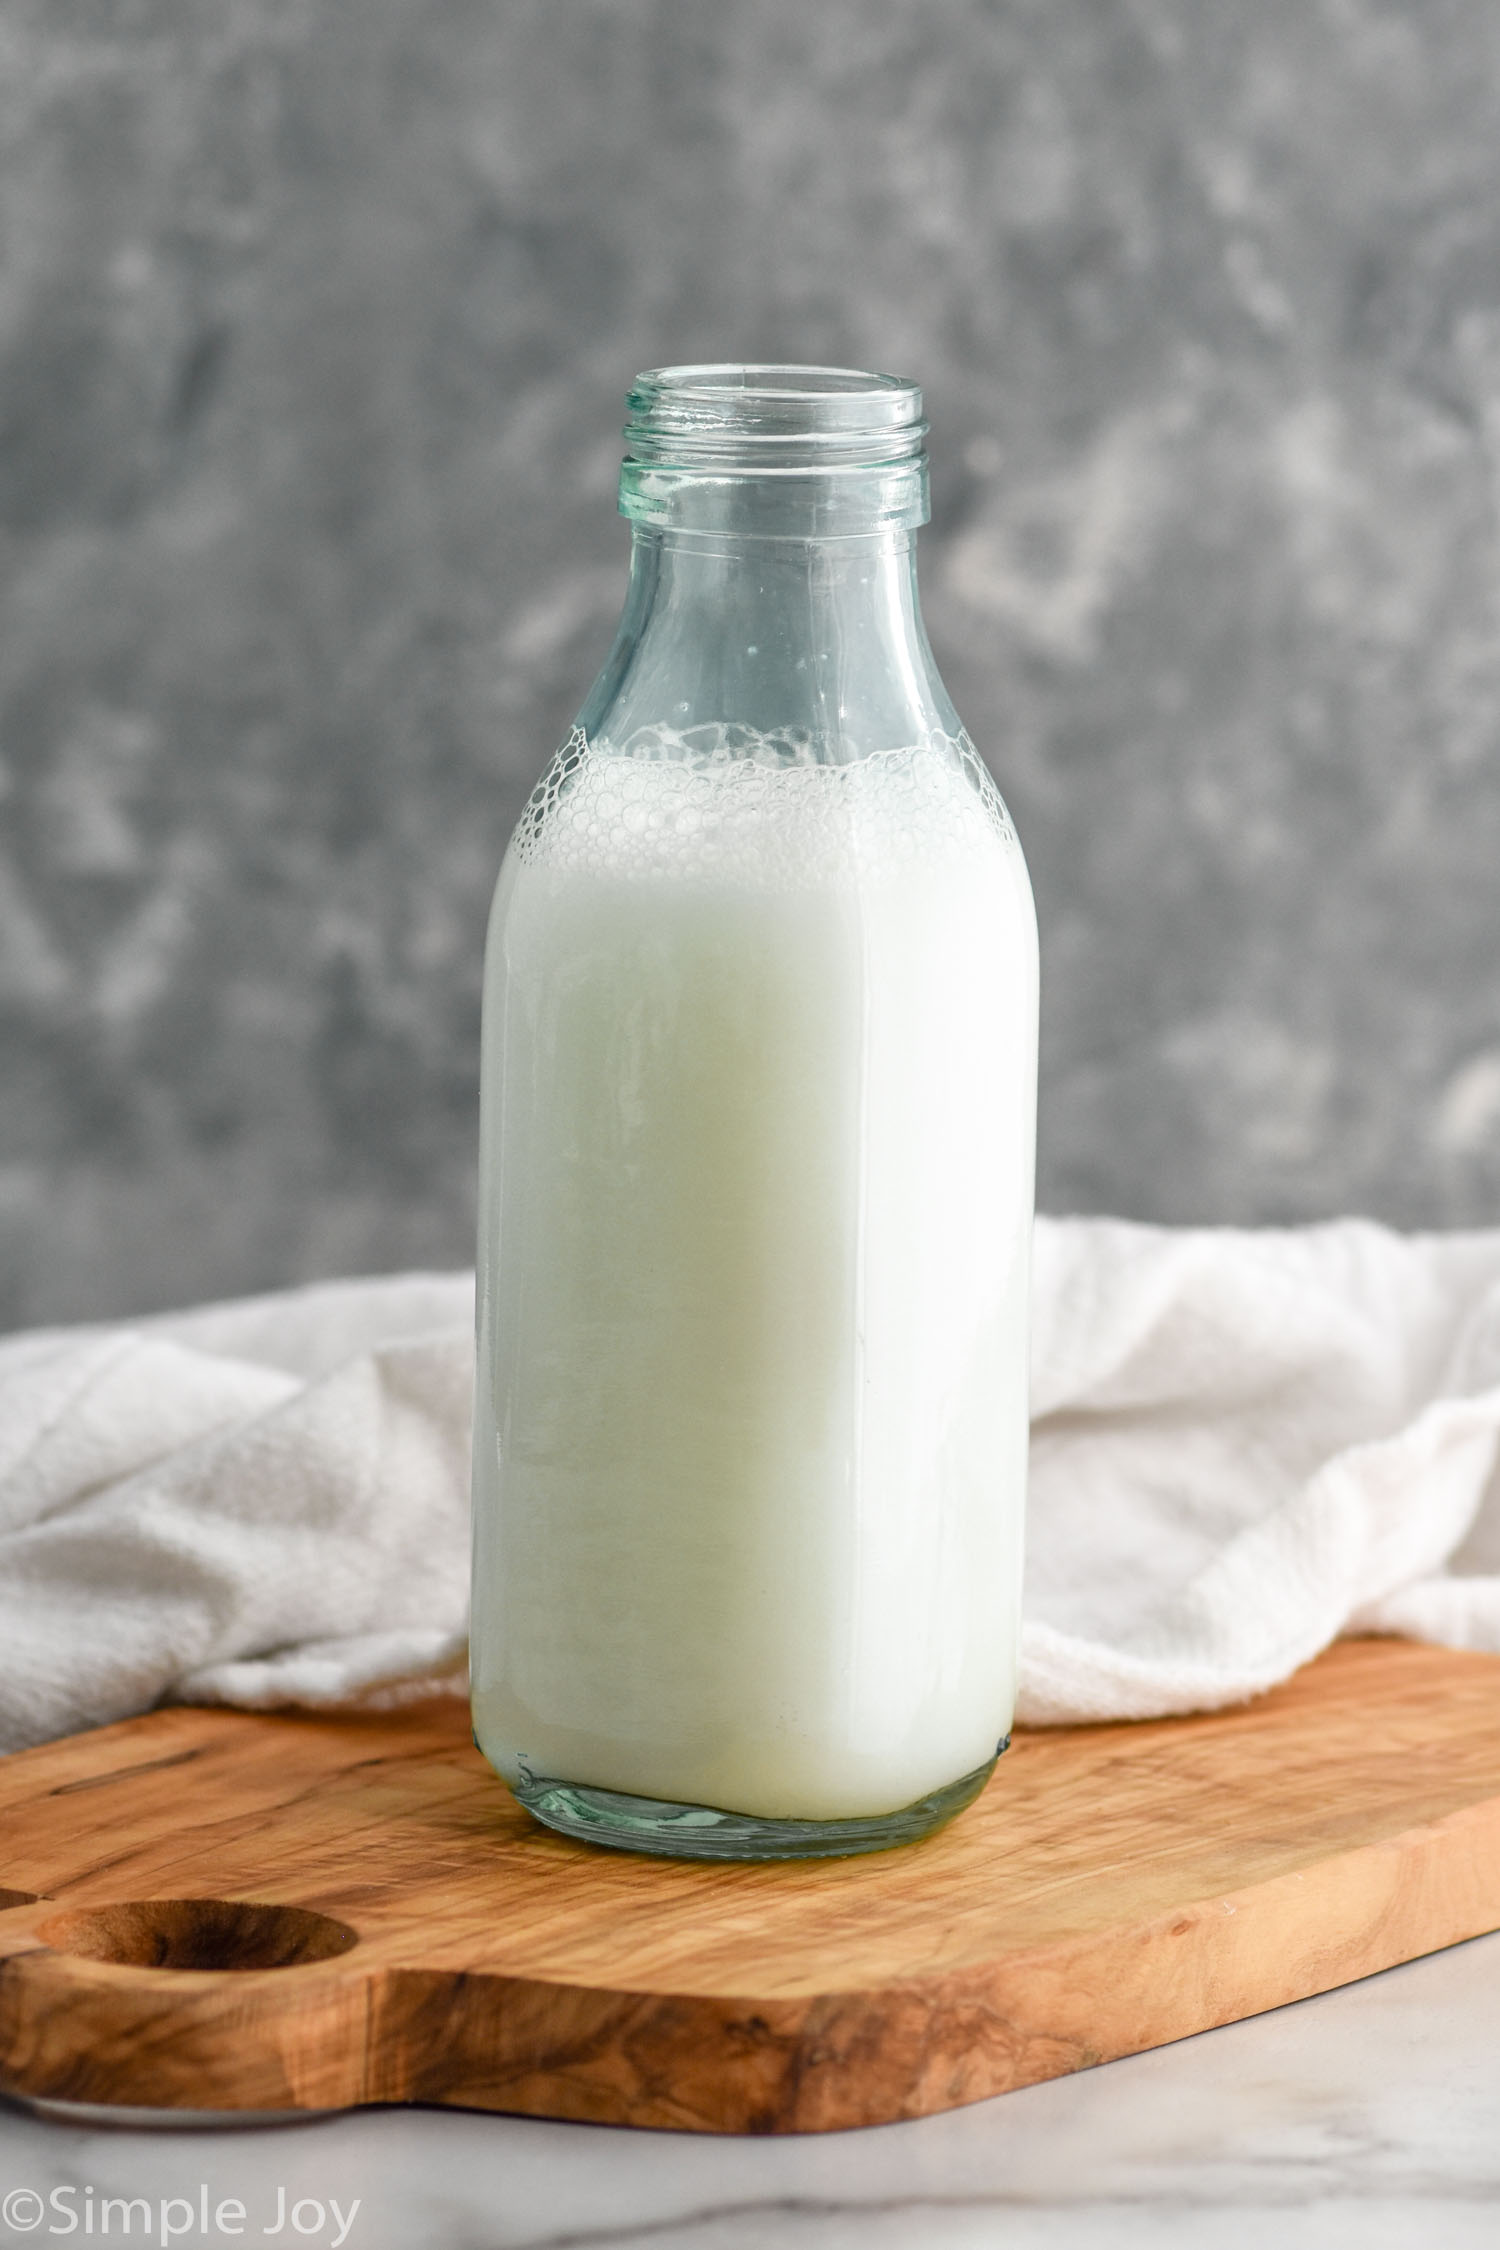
pixel 262 1503
pixel 1244 1444
pixel 1247 1443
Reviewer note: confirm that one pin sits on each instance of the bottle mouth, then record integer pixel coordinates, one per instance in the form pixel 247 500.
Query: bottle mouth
pixel 756 419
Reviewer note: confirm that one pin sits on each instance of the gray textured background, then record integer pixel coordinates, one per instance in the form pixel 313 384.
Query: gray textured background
pixel 315 317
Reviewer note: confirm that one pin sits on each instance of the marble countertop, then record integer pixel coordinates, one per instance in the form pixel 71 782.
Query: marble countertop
pixel 1366 2115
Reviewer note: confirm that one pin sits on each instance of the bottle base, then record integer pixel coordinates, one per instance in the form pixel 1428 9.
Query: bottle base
pixel 671 1831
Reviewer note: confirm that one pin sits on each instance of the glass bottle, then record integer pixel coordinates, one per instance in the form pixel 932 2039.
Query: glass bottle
pixel 759 1063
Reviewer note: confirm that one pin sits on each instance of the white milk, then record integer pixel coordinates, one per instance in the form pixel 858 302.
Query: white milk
pixel 759 1092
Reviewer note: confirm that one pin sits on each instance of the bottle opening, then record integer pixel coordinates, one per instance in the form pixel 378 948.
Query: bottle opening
pixel 775 452
pixel 754 418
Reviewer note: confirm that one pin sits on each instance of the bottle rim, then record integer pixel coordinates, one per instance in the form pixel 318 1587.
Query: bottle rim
pixel 757 417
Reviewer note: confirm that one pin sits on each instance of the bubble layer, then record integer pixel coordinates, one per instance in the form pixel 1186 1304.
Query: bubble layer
pixel 765 809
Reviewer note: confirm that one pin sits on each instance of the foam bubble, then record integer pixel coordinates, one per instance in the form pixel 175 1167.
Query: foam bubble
pixel 734 804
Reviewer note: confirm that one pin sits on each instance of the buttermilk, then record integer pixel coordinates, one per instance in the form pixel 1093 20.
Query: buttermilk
pixel 758 1100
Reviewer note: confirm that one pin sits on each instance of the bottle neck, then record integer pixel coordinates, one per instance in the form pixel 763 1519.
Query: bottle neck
pixel 821 638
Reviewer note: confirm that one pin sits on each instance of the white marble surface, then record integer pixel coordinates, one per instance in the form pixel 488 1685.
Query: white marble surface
pixel 1366 2117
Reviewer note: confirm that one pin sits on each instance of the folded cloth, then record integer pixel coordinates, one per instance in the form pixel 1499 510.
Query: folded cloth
pixel 261 1503
pixel 1247 1443
pixel 1243 1444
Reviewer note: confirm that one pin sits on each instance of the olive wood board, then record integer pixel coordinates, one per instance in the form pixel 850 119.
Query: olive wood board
pixel 211 1910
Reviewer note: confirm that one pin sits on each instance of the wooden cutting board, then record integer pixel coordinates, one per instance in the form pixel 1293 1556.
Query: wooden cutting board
pixel 208 1910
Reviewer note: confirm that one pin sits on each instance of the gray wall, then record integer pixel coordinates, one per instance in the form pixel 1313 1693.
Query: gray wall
pixel 315 317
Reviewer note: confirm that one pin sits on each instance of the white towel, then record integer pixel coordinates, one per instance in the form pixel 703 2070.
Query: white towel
pixel 1243 1445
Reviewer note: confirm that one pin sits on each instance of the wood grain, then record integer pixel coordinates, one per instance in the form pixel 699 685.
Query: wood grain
pixel 215 1910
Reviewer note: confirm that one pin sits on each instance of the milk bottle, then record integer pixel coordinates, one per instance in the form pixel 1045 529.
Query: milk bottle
pixel 756 1166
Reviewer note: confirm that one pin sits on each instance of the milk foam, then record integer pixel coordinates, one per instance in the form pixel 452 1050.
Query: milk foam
pixel 758 807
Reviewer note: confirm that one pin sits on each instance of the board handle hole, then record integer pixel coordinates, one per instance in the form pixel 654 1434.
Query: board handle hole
pixel 198 1933
pixel 9 1899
